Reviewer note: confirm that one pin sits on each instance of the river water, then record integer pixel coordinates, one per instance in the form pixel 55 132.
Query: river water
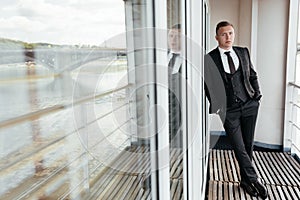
pixel 75 135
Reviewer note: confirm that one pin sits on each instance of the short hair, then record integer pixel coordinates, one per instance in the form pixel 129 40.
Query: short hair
pixel 176 26
pixel 222 24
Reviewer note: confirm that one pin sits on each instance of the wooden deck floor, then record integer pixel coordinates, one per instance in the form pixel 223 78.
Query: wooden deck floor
pixel 125 177
pixel 280 171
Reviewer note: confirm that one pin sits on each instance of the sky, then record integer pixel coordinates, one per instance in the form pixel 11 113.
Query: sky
pixel 89 22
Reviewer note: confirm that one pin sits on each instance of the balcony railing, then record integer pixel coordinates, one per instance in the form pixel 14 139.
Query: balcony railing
pixel 293 130
pixel 55 149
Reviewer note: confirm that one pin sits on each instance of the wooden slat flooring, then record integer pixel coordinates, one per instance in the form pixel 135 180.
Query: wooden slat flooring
pixel 280 171
pixel 124 178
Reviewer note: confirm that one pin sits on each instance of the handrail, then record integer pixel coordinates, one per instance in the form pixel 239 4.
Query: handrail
pixel 295 125
pixel 28 78
pixel 293 122
pixel 91 97
pixel 44 146
pixel 294 104
pixel 296 147
pixel 37 114
pixel 294 85
pixel 30 116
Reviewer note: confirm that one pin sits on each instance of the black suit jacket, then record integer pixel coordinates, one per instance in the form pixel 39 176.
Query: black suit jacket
pixel 215 77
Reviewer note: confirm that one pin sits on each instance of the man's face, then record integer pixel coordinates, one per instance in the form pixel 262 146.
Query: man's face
pixel 174 40
pixel 225 37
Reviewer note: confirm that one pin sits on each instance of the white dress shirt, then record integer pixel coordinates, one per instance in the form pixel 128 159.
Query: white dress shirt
pixel 178 62
pixel 235 59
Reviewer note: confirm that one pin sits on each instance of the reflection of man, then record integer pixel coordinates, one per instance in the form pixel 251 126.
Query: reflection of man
pixel 174 78
pixel 229 68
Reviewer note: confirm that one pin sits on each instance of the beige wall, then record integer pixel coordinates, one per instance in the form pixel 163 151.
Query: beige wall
pixel 270 55
pixel 238 12
pixel 272 33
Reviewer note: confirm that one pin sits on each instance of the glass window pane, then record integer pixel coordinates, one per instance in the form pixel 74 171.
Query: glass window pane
pixel 296 114
pixel 297 74
pixel 65 116
pixel 175 84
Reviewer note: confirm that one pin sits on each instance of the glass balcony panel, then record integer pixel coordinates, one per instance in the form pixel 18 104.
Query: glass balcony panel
pixel 64 109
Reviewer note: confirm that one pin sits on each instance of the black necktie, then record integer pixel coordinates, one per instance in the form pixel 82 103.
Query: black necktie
pixel 172 60
pixel 230 62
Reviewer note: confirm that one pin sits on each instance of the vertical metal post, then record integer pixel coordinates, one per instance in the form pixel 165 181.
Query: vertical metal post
pixel 195 136
pixel 290 73
pixel 160 18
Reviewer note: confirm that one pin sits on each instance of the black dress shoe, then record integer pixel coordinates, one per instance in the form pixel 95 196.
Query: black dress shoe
pixel 249 189
pixel 261 189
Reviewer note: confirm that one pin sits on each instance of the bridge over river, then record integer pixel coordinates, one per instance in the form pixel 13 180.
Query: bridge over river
pixel 58 59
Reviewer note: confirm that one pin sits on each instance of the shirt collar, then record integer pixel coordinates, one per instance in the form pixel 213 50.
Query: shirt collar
pixel 175 52
pixel 222 51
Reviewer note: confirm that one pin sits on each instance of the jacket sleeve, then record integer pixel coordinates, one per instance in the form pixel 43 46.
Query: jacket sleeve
pixel 214 86
pixel 206 77
pixel 253 78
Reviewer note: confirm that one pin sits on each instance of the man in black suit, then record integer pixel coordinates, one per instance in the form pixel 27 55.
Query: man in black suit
pixel 232 88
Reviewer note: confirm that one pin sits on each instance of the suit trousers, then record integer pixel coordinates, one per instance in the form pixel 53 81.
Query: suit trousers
pixel 240 127
pixel 175 122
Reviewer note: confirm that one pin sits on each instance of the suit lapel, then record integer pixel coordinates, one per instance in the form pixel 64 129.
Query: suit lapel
pixel 218 61
pixel 242 58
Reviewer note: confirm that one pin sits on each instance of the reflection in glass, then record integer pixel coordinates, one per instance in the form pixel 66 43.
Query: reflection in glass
pixel 297 69
pixel 63 103
pixel 175 78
